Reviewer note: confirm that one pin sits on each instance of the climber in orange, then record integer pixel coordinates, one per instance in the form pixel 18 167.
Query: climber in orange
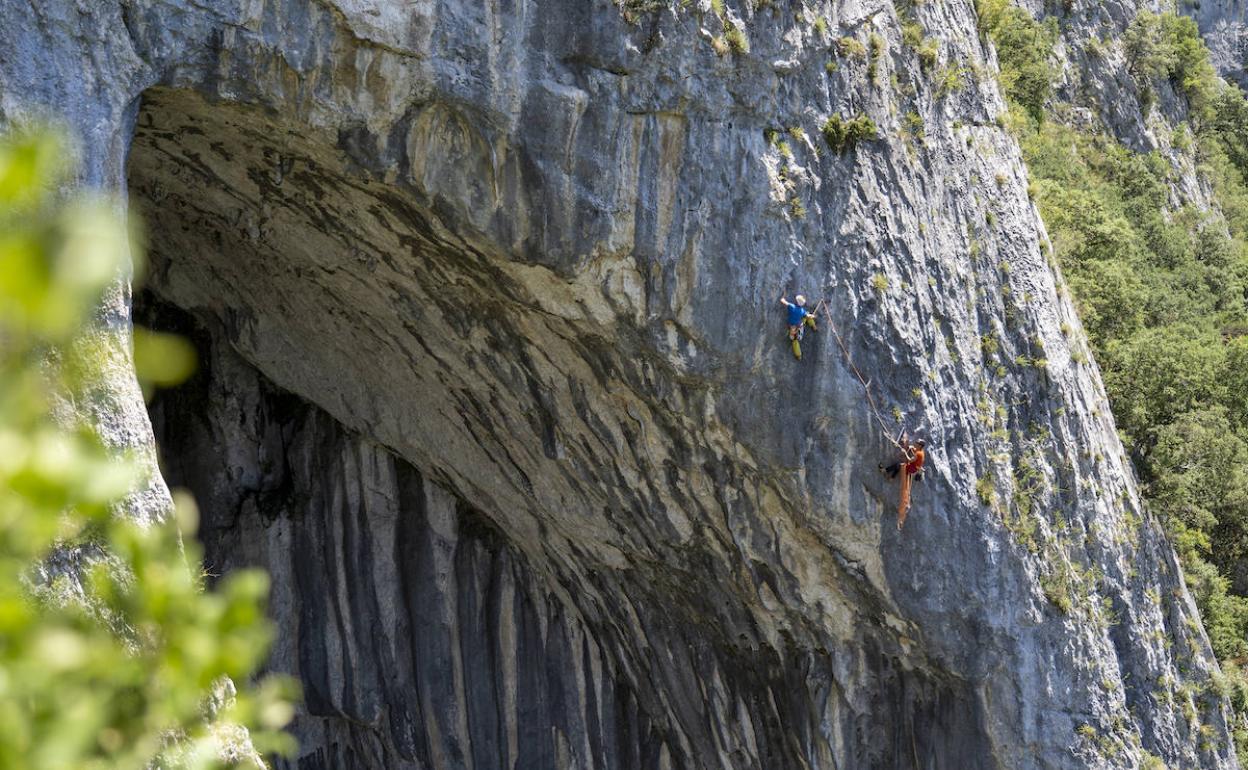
pixel 799 319
pixel 911 466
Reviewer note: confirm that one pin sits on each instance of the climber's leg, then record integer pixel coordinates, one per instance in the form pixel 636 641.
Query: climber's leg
pixel 891 470
pixel 904 507
pixel 810 321
pixel 795 334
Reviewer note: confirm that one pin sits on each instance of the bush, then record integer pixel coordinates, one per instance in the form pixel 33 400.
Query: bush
pixel 1152 762
pixel 1149 49
pixel 1169 46
pixel 1057 587
pixel 950 79
pixel 875 45
pixel 736 39
pixel 986 490
pixel 913 125
pixel 841 135
pixel 1024 48
pixel 912 34
pixel 634 10
pixel 929 53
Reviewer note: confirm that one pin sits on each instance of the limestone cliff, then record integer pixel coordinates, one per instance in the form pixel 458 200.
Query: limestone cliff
pixel 1224 25
pixel 495 381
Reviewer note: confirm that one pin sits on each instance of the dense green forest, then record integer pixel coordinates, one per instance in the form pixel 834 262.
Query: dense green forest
pixel 1160 289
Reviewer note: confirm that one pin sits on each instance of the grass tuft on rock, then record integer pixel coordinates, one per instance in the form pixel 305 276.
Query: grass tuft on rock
pixel 841 134
pixel 737 39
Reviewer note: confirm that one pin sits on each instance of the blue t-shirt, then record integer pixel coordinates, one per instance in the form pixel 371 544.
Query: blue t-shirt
pixel 797 314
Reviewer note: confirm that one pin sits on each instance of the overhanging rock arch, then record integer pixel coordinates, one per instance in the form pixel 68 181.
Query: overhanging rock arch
pixel 498 535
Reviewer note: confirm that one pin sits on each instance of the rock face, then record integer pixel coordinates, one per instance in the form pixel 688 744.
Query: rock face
pixel 496 382
pixel 424 638
pixel 1224 25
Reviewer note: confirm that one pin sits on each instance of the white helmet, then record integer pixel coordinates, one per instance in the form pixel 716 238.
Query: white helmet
pixel 800 299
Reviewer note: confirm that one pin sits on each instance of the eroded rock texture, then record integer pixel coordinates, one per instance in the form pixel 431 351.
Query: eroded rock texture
pixel 496 384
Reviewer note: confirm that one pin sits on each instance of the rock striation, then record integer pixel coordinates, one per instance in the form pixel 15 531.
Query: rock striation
pixel 494 380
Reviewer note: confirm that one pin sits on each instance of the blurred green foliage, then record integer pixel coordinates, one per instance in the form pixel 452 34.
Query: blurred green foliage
pixel 112 652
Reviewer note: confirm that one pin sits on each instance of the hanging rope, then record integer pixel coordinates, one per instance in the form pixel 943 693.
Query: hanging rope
pixel 866 385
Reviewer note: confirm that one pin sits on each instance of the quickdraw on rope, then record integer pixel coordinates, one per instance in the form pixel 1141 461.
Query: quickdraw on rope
pixel 866 385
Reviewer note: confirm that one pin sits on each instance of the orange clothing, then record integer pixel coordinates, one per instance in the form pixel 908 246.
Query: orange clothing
pixel 915 465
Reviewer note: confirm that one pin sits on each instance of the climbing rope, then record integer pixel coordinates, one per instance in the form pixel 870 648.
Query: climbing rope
pixel 866 385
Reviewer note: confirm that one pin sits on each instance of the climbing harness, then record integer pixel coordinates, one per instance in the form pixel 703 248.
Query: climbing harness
pixel 798 333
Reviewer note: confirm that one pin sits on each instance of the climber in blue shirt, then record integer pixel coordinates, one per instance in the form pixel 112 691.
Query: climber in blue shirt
pixel 799 319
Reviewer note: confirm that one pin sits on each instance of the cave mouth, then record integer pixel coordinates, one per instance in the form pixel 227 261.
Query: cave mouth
pixel 342 286
pixel 421 637
pixel 492 540
pixel 346 408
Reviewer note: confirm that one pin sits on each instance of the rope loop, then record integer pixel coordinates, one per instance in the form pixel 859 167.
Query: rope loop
pixel 866 385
